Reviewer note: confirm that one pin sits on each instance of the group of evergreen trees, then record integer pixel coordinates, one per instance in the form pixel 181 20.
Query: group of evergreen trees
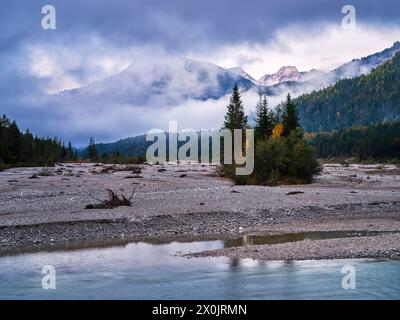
pixel 18 149
pixel 281 153
pixel 266 119
pixel 377 142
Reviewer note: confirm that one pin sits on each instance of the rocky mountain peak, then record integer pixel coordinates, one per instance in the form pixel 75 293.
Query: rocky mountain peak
pixel 286 73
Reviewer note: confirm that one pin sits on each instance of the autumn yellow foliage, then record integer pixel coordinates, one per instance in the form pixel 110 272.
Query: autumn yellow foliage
pixel 277 131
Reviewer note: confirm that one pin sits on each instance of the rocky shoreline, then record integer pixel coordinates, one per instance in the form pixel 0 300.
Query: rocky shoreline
pixel 212 226
pixel 376 247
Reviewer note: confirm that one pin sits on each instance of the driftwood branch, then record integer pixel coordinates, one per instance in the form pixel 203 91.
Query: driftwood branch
pixel 113 200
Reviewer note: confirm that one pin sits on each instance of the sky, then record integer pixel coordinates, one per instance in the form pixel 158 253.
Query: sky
pixel 95 39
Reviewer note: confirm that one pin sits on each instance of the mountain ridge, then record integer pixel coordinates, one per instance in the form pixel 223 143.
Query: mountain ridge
pixel 364 100
pixel 171 81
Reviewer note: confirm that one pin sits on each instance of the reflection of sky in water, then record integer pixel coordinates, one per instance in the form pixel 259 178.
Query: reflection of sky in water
pixel 143 271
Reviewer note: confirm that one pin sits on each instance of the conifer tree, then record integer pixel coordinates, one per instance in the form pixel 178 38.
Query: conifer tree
pixel 13 143
pixel 235 117
pixel 290 118
pixel 277 114
pixel 17 148
pixel 70 152
pixel 263 120
pixel 91 150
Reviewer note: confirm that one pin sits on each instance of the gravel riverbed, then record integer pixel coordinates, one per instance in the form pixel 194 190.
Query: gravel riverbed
pixel 189 202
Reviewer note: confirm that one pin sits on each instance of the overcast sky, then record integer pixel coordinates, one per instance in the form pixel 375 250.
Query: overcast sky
pixel 98 38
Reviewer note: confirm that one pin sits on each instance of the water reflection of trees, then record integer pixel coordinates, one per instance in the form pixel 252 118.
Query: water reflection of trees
pixel 234 263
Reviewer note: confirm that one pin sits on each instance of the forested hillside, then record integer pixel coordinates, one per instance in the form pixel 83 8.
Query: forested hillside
pixel 17 148
pixel 364 100
pixel 381 141
pixel 133 146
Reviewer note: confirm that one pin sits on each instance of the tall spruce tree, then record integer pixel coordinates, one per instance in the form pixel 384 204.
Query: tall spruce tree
pixel 277 114
pixel 263 119
pixel 235 117
pixel 70 152
pixel 91 150
pixel 4 128
pixel 290 118
pixel 13 143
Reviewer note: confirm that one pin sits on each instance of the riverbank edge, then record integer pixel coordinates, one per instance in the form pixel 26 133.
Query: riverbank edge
pixel 192 227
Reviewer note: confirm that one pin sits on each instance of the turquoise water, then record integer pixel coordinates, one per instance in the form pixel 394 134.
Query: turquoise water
pixel 149 271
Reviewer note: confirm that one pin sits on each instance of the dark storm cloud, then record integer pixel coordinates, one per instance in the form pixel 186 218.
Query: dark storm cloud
pixel 177 24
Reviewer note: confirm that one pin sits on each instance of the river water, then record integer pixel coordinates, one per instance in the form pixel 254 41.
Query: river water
pixel 157 271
